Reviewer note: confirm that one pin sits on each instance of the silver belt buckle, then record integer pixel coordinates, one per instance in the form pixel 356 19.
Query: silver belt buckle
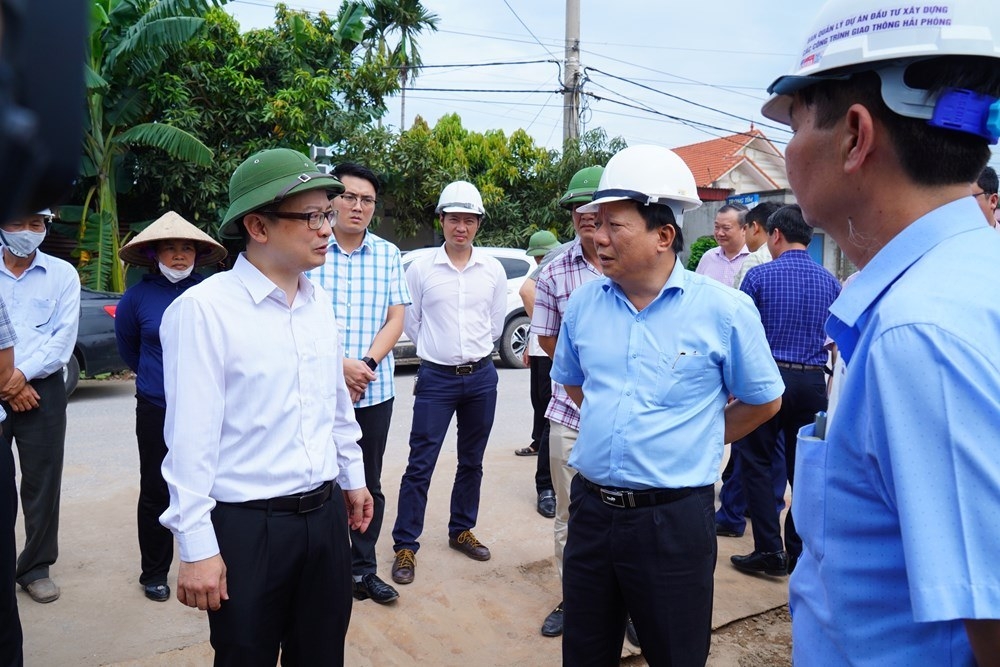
pixel 613 498
pixel 464 369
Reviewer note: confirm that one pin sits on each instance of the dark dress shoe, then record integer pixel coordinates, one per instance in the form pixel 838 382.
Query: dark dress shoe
pixel 403 566
pixel 467 543
pixel 547 504
pixel 774 563
pixel 630 632
pixel 372 587
pixel 157 592
pixel 553 624
pixel 723 530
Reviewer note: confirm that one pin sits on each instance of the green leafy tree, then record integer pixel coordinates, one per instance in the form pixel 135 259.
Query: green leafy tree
pixel 405 20
pixel 701 245
pixel 303 81
pixel 129 41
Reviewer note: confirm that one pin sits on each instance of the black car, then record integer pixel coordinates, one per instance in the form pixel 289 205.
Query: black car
pixel 95 352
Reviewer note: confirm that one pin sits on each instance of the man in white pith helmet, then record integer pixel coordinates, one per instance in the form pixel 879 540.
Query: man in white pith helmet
pixel 893 114
pixel 651 353
pixel 459 300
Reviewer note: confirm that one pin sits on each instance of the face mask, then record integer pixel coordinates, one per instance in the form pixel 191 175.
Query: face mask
pixel 22 244
pixel 173 275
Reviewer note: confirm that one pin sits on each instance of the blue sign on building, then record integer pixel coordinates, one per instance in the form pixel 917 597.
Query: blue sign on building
pixel 749 201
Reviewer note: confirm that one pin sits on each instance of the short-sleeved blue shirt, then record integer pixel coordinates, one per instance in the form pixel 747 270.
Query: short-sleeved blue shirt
pixel 898 507
pixel 656 381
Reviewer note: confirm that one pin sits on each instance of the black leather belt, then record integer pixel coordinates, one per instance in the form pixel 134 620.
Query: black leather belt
pixel 629 499
pixel 461 369
pixel 299 503
pixel 798 367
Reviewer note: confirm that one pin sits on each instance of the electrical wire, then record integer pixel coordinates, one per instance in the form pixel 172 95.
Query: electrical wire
pixel 527 28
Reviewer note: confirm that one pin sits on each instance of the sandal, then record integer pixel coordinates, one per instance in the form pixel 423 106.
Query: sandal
pixel 526 451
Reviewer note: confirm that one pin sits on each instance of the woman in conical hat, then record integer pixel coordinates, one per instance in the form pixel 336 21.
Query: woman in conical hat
pixel 172 247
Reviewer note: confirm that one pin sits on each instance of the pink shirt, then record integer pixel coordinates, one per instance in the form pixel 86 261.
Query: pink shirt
pixel 715 264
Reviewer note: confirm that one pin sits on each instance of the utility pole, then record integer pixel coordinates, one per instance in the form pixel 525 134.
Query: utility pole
pixel 571 96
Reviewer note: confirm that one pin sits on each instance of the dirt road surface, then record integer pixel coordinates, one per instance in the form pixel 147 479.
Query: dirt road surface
pixel 457 612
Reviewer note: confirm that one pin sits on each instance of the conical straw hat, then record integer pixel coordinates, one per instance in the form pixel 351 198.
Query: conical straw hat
pixel 141 250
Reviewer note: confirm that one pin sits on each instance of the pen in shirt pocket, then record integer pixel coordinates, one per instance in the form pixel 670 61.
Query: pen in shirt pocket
pixel 682 355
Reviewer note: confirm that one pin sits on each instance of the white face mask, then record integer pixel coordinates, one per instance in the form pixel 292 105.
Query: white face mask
pixel 22 244
pixel 173 275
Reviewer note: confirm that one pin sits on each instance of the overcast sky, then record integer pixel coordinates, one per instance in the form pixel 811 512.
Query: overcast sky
pixel 715 58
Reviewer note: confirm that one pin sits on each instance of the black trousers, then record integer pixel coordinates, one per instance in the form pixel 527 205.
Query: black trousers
pixel 156 543
pixel 541 393
pixel 40 435
pixel 289 585
pixel 805 395
pixel 374 422
pixel 656 562
pixel 11 653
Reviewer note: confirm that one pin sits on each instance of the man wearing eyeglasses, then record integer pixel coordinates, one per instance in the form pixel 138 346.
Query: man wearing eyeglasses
pixel 364 276
pixel 43 297
pixel 985 192
pixel 262 441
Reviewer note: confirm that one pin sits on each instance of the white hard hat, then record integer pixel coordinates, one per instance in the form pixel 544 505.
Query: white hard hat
pixel 460 197
pixel 851 36
pixel 648 175
pixel 46 213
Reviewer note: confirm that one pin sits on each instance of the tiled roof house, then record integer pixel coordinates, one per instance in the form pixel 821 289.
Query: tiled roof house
pixel 737 164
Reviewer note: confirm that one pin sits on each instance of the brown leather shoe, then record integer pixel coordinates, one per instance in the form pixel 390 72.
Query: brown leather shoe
pixel 404 566
pixel 467 543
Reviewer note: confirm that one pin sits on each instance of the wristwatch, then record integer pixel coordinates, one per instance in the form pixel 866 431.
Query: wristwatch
pixel 371 363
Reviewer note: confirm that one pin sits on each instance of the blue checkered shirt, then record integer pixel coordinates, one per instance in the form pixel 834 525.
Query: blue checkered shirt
pixel 7 338
pixel 793 294
pixel 363 284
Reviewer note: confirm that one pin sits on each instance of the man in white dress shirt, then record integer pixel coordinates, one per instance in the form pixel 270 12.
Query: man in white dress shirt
pixel 459 300
pixel 263 444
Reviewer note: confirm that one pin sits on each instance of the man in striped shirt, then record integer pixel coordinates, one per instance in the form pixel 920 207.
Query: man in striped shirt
pixel 364 274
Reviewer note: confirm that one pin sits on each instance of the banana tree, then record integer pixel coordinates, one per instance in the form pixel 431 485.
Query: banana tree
pixel 129 40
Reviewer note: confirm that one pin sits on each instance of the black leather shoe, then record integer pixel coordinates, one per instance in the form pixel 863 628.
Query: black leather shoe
pixel 547 504
pixel 157 592
pixel 372 587
pixel 553 624
pixel 792 562
pixel 467 543
pixel 725 531
pixel 774 563
pixel 630 632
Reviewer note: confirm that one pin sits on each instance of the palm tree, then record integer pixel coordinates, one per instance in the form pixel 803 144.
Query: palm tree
pixel 129 40
pixel 407 19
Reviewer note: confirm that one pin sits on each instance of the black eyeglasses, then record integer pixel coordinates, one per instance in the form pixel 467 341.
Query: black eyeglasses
pixel 351 200
pixel 982 193
pixel 314 219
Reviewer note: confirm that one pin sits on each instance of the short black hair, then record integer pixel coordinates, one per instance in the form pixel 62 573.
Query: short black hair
pixel 930 156
pixel 658 215
pixel 793 226
pixel 760 213
pixel 740 209
pixel 358 171
pixel 988 181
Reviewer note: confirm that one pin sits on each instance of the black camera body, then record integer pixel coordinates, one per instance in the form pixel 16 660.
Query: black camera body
pixel 43 50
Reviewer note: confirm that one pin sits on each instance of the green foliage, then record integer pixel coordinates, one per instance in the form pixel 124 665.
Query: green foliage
pixel 129 42
pixel 297 83
pixel 702 245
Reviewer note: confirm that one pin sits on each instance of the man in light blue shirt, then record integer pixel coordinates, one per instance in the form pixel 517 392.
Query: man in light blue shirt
pixel 651 354
pixel 902 486
pixel 43 297
pixel 364 276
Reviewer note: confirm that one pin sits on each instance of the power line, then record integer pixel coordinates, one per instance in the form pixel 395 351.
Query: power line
pixel 527 28
pixel 682 99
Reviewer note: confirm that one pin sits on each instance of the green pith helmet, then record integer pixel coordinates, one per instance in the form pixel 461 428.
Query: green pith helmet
pixel 581 186
pixel 268 177
pixel 541 242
